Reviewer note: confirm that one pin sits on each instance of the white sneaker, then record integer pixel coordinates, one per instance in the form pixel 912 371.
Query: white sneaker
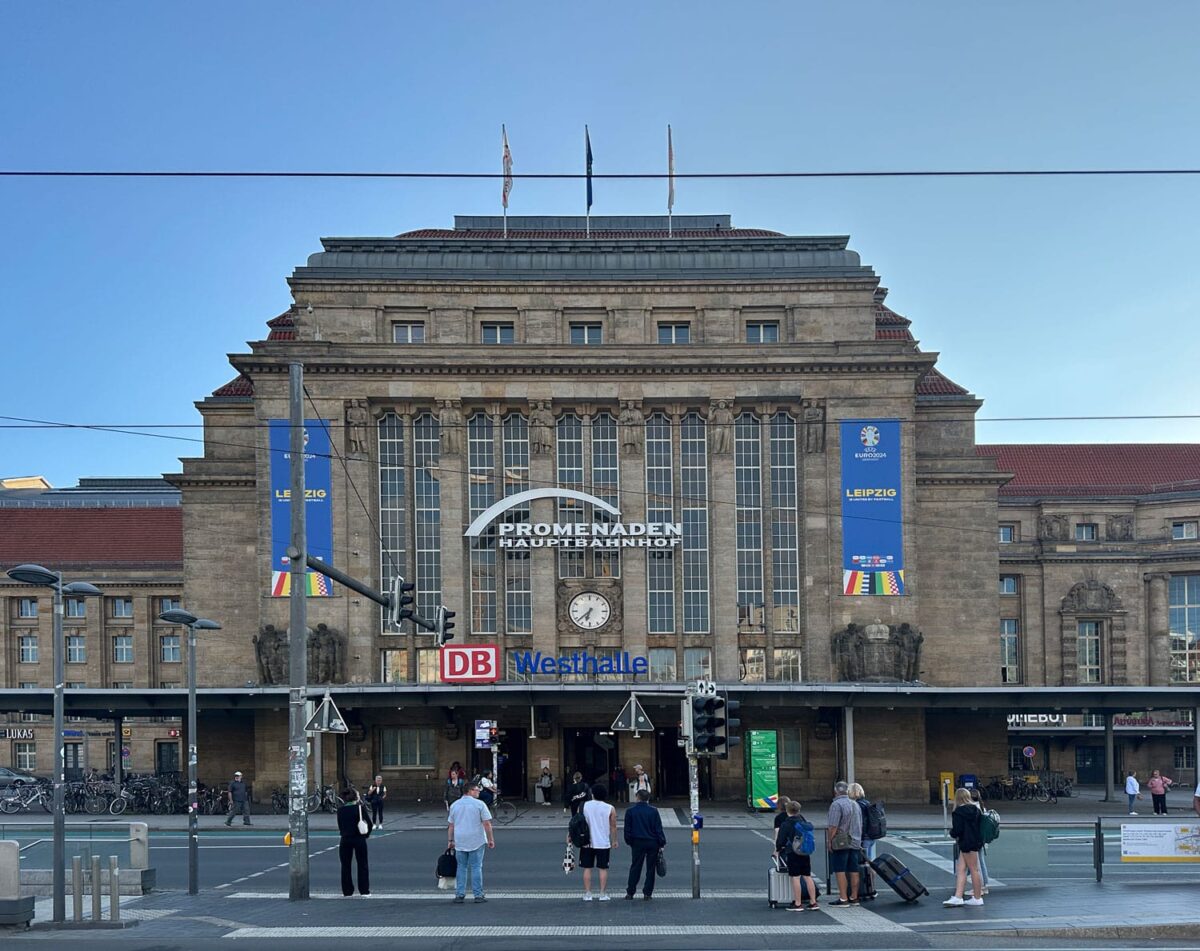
pixel 602 898
pixel 1133 813
pixel 953 902
pixel 973 901
pixel 587 896
pixel 984 890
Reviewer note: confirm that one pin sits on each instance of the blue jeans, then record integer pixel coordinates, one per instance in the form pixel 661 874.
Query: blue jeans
pixel 1132 800
pixel 469 863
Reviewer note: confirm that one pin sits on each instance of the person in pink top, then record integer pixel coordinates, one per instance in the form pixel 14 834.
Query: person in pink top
pixel 1158 785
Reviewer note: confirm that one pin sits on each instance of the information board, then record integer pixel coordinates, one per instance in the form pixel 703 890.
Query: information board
pixel 1160 842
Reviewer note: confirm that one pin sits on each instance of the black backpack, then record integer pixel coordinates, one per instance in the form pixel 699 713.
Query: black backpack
pixel 874 820
pixel 578 830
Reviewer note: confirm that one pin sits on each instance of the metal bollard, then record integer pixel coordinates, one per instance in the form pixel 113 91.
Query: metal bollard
pixel 97 889
pixel 77 887
pixel 114 881
pixel 139 845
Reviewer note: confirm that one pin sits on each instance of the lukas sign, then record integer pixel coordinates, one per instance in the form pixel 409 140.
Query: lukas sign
pixel 594 534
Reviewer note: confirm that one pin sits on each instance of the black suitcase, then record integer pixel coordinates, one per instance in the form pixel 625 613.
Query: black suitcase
pixel 904 883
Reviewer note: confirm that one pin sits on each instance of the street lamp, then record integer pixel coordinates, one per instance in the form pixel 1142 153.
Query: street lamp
pixel 193 624
pixel 45 578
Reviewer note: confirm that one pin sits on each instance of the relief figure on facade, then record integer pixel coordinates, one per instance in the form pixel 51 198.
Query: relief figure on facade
pixel 541 429
pixel 1119 528
pixel 271 653
pixel 1053 528
pixel 326 656
pixel 357 418
pixel 907 641
pixel 632 423
pixel 720 428
pixel 814 426
pixel 848 646
pixel 453 427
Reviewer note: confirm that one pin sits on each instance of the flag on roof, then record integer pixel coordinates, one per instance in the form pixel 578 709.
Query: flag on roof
pixel 670 172
pixel 507 160
pixel 587 141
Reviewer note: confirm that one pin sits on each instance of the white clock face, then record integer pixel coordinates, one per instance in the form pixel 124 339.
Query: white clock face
pixel 589 610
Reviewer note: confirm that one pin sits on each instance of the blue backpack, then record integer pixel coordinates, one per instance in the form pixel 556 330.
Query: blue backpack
pixel 803 841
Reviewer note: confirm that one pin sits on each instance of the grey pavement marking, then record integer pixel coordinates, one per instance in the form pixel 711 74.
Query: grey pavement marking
pixel 543 931
pixel 669 818
pixel 901 843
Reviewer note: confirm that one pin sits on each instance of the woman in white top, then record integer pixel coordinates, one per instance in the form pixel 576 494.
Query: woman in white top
pixel 1132 789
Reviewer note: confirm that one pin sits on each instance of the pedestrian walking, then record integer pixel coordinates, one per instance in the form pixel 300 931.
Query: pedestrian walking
pixel 239 800
pixel 376 794
pixel 977 798
pixel 577 793
pixel 641 780
pixel 645 837
pixel 454 787
pixel 1158 785
pixel 866 886
pixel 843 836
pixel 469 831
pixel 545 785
pixel 965 830
pixel 799 865
pixel 602 839
pixel 1133 790
pixel 355 830
pixel 488 789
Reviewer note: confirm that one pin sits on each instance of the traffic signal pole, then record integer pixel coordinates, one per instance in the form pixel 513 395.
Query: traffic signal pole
pixel 297 649
pixel 694 805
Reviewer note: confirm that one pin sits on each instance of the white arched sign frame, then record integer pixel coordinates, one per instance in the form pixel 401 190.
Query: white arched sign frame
pixel 492 512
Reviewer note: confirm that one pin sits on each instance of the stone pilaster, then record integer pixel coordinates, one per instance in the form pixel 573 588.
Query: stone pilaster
pixel 1158 633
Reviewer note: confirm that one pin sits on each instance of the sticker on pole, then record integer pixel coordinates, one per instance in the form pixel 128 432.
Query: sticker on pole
pixel 326 719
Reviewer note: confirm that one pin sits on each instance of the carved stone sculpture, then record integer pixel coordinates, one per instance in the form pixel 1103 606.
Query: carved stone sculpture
pixel 878 653
pixel 1091 597
pixel 1119 528
pixel 633 425
pixel 357 418
pixel 453 428
pixel 271 653
pixel 326 656
pixel 847 647
pixel 814 426
pixel 720 428
pixel 541 429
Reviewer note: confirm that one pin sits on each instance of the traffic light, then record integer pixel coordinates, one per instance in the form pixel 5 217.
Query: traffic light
pixel 711 720
pixel 685 724
pixel 401 600
pixel 442 625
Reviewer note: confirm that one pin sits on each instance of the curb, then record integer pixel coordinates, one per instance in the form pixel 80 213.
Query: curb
pixel 1174 930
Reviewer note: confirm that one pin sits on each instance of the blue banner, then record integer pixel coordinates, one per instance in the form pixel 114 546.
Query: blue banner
pixel 319 511
pixel 872 519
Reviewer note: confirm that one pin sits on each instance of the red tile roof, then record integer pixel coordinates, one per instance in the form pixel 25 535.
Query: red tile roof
pixel 1080 470
pixel 595 236
pixel 62 537
pixel 892 333
pixel 282 327
pixel 884 315
pixel 241 385
pixel 934 383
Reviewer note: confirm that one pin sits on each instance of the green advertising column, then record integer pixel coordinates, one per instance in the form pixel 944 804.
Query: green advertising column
pixel 762 770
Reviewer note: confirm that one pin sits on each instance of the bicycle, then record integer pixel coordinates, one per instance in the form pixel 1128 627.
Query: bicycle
pixel 503 810
pixel 24 798
pixel 279 802
pixel 325 801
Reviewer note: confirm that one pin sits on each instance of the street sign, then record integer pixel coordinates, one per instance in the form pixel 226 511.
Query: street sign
pixel 1029 752
pixel 632 717
pixel 485 734
pixel 326 719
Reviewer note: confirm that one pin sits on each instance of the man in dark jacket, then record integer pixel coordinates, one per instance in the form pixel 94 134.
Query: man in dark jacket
pixel 644 835
pixel 239 800
pixel 353 843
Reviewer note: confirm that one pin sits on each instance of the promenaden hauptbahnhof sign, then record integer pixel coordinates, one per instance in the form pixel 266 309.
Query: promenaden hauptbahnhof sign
pixel 872 512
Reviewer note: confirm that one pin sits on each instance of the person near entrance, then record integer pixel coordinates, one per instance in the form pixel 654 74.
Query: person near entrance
pixel 844 839
pixel 376 794
pixel 470 829
pixel 602 834
pixel 1133 790
pixel 620 785
pixel 545 785
pixel 351 820
pixel 239 800
pixel 640 780
pixel 577 793
pixel 645 837
pixel 1158 785
pixel 488 790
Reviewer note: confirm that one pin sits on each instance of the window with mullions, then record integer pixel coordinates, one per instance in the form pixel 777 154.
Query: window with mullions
pixel 408 331
pixel 518 585
pixel 606 485
pixel 408 746
pixel 747 475
pixel 1010 650
pixel 1183 596
pixel 785 526
pixel 76 649
pixel 790 747
pixel 1088 652
pixel 762 332
pixel 660 563
pixel 674 333
pixel 122 649
pixel 497 333
pixel 571 562
pixel 393 483
pixel 693 484
pixel 169 649
pixel 587 334
pixel 427 513
pixel 393 666
pixel 754 665
pixel 1185 757
pixel 786 664
pixel 481 489
pixel 27 608
pixel 428 671
pixel 697 663
pixel 27 647
pixel 662 665
pixel 76 607
pixel 121 607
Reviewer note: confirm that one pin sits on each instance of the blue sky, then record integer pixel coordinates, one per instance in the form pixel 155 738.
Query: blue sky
pixel 1047 297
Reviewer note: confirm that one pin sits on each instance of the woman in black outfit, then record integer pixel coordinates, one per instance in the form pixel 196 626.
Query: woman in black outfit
pixel 353 843
pixel 781 812
pixel 799 867
pixel 577 793
pixel 965 830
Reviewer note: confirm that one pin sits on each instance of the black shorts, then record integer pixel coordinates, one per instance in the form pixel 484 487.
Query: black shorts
pixel 593 858
pixel 798 864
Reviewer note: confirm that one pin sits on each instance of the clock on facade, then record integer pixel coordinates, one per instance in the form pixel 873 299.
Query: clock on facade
pixel 589 610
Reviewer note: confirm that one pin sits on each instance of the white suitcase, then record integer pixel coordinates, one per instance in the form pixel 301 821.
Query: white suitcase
pixel 779 886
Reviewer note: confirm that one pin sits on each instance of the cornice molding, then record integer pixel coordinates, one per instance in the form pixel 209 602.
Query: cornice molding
pixel 566 286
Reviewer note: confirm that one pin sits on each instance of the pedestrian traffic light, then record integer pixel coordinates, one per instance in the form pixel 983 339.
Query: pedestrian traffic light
pixel 401 599
pixel 442 625
pixel 710 725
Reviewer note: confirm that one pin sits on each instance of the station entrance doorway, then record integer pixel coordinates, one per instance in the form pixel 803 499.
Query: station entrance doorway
pixel 592 751
pixel 513 777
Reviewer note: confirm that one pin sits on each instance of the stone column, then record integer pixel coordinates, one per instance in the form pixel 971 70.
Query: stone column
pixel 1158 631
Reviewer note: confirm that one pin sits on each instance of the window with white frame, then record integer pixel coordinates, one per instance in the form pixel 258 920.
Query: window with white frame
pixel 1008 584
pixel 393 501
pixel 497 333
pixel 1183 599
pixel 76 607
pixel 122 685
pixel 427 513
pixel 408 746
pixel 785 525
pixel 747 474
pixel 1086 532
pixel 1010 650
pixel 76 649
pixel 25 756
pixel 481 494
pixel 674 333
pixel 122 649
pixel 786 664
pixel 27 649
pixel 754 665
pixel 697 663
pixel 168 646
pixel 518 583
pixel 693 484
pixel 606 485
pixel 168 604
pixel 27 608
pixel 587 334
pixel 762 331
pixel 1088 652
pixel 121 607
pixel 408 331
pixel 1185 756
pixel 790 748
pixel 28 717
pixel 393 666
pixel 1184 531
pixel 572 563
pixel 662 665
pixel 660 562
pixel 1008 533
pixel 428 671
pixel 512 671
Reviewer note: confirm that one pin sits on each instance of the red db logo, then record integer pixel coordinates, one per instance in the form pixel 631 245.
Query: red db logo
pixel 470 664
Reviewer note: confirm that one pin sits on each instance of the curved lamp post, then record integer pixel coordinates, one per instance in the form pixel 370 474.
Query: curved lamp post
pixel 45 578
pixel 193 624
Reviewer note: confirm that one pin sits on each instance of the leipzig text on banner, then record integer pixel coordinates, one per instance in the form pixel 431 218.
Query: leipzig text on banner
pixel 319 509
pixel 470 663
pixel 872 510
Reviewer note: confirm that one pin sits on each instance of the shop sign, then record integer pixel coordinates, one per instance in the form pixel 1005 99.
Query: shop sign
pixel 1155 718
pixel 17 733
pixel 595 534
pixel 1036 719
pixel 470 663
pixel 872 510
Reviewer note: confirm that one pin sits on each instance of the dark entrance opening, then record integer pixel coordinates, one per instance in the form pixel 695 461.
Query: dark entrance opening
pixel 1089 765
pixel 166 759
pixel 513 773
pixel 671 765
pixel 73 761
pixel 592 752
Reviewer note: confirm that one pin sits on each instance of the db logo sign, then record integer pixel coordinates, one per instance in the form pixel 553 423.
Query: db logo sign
pixel 470 664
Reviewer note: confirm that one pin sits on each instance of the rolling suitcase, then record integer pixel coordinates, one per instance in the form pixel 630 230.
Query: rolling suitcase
pixel 779 885
pixel 903 882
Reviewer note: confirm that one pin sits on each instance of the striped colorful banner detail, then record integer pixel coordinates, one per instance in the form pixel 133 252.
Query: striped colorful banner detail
pixel 317 584
pixel 873 582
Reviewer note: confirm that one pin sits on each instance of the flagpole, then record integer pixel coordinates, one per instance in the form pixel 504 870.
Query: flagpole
pixel 587 150
pixel 506 166
pixel 670 183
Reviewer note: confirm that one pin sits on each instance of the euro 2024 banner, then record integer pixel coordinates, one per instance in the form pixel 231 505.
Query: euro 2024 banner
pixel 872 520
pixel 318 511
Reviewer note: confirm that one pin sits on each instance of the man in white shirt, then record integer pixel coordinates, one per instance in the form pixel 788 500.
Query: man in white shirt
pixel 602 831
pixel 1133 790
pixel 470 829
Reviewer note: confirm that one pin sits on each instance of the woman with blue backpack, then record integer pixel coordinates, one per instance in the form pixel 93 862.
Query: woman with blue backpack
pixel 794 844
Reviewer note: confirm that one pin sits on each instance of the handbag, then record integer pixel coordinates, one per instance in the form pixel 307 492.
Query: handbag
pixel 660 865
pixel 569 861
pixel 363 828
pixel 841 841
